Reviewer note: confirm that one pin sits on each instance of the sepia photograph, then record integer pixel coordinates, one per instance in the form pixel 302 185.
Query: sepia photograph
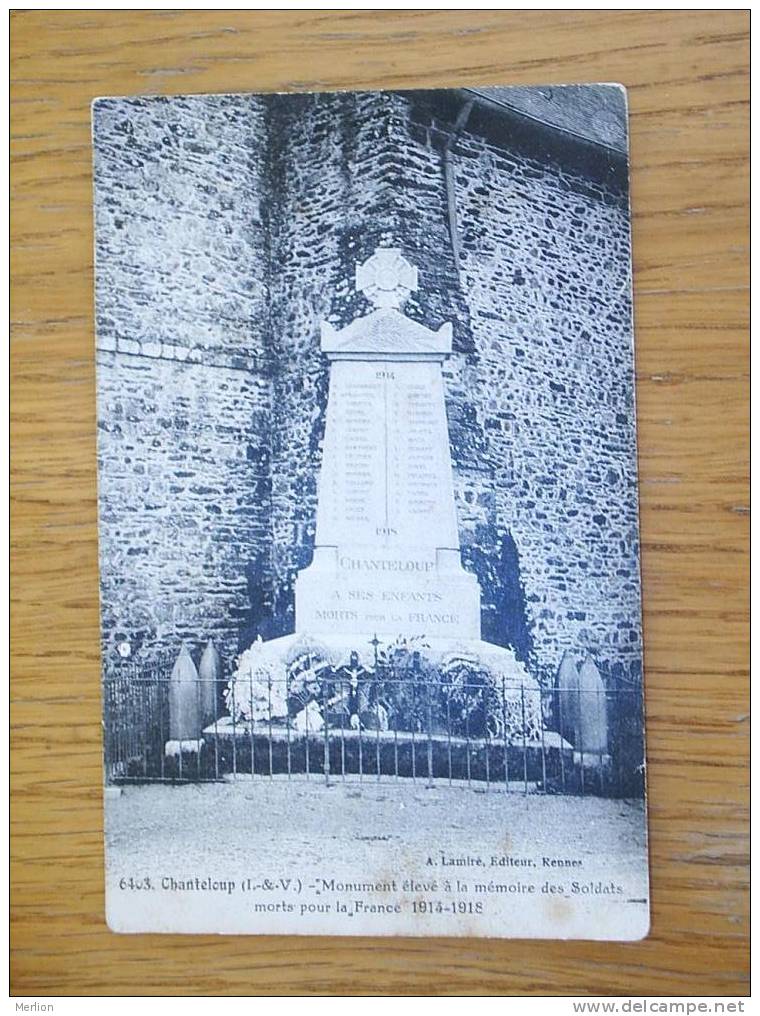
pixel 369 554
pixel 379 507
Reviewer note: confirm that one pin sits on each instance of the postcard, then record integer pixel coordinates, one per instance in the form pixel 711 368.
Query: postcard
pixel 368 513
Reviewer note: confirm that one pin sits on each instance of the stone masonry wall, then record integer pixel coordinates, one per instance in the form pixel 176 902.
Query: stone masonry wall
pixel 545 270
pixel 230 228
pixel 184 387
pixel 539 390
pixel 340 186
pixel 183 484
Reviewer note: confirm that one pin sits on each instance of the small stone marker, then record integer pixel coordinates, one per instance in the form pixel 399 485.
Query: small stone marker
pixel 592 738
pixel 210 674
pixel 566 698
pixel 184 704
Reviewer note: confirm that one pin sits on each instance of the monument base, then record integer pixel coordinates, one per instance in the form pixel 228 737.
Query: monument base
pixel 463 687
pixel 244 751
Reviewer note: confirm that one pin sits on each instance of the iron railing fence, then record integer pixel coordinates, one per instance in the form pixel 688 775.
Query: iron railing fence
pixel 389 727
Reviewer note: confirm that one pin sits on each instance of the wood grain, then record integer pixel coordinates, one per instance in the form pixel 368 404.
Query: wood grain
pixel 687 74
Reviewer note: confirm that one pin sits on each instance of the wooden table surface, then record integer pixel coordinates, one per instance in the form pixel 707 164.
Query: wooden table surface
pixel 687 74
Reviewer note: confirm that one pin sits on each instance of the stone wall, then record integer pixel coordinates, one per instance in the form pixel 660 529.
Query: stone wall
pixel 341 185
pixel 545 269
pixel 184 367
pixel 184 481
pixel 231 227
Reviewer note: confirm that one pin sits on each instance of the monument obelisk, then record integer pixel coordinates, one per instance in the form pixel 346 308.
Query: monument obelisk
pixel 386 556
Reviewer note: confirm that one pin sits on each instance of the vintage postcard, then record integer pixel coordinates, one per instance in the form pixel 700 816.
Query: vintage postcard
pixel 369 553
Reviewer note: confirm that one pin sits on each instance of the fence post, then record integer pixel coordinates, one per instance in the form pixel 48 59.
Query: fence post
pixel 325 727
pixel 430 733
